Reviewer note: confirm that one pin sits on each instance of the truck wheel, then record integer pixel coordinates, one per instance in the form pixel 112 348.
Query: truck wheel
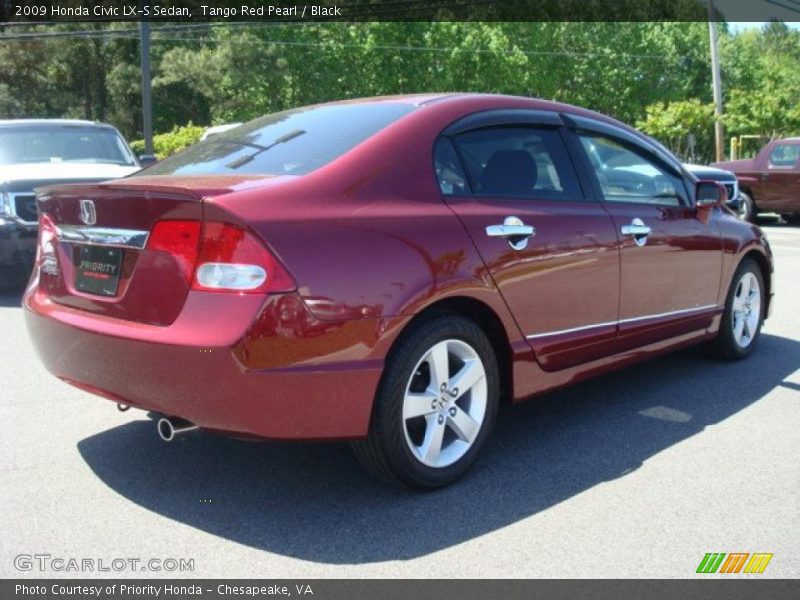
pixel 747 208
pixel 791 218
pixel 11 279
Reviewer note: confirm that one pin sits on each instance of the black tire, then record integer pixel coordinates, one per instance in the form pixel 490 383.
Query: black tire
pixel 385 453
pixel 747 208
pixel 726 346
pixel 791 218
pixel 12 279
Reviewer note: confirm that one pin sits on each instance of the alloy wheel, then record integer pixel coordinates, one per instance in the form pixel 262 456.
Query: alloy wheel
pixel 746 309
pixel 444 404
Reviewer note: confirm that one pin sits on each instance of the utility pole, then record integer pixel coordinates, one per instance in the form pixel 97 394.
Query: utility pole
pixel 717 82
pixel 147 107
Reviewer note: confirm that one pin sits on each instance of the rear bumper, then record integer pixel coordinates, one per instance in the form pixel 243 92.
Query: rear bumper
pixel 236 384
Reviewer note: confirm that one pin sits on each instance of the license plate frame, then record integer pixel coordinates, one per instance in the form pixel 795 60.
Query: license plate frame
pixel 97 270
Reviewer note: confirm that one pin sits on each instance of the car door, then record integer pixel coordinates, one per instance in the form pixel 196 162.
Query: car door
pixel 551 251
pixel 670 254
pixel 781 178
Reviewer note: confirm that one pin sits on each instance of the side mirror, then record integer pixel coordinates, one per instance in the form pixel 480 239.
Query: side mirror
pixel 710 194
pixel 147 159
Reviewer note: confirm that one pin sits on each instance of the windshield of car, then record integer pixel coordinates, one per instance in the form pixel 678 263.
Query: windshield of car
pixel 294 142
pixel 62 143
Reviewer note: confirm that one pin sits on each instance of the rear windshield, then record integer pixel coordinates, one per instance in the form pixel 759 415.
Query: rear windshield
pixel 62 143
pixel 293 142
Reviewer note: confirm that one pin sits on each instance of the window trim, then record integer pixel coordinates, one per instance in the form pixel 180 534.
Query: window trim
pixel 538 120
pixel 504 117
pixel 626 138
pixel 449 140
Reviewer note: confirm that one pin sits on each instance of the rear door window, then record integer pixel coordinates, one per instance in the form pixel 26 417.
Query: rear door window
pixel 524 162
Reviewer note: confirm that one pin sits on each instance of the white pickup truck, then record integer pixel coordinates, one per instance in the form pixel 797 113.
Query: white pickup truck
pixel 38 152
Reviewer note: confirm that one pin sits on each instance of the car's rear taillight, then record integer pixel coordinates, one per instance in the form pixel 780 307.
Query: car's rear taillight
pixel 46 258
pixel 218 256
pixel 181 239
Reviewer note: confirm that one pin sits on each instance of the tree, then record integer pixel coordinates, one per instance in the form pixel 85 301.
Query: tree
pixel 652 73
pixel 672 123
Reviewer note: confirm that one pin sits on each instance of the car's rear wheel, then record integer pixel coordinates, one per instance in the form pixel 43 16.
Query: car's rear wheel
pixel 744 313
pixel 435 407
pixel 747 208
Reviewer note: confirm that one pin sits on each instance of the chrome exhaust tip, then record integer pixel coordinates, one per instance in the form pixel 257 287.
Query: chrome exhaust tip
pixel 170 427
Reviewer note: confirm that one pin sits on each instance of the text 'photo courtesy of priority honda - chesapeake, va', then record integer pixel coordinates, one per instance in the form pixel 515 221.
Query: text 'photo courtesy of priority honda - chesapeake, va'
pixel 399 298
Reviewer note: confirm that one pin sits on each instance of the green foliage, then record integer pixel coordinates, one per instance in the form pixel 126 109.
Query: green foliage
pixel 673 122
pixel 764 70
pixel 656 74
pixel 137 146
pixel 165 144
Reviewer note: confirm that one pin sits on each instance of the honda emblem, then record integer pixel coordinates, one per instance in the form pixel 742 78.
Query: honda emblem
pixel 88 213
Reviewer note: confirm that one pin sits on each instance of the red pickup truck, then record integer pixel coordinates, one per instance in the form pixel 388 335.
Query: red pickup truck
pixel 770 182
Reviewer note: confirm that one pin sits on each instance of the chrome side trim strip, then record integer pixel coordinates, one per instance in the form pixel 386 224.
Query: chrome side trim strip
pixel 669 314
pixel 102 236
pixel 622 321
pixel 571 330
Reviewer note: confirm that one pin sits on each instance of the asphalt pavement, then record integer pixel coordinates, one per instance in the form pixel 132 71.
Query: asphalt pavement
pixel 635 474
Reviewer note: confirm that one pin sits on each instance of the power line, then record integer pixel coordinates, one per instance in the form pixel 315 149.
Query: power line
pixel 408 48
pixel 158 34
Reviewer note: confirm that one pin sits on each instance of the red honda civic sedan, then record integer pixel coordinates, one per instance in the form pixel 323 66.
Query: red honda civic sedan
pixel 389 271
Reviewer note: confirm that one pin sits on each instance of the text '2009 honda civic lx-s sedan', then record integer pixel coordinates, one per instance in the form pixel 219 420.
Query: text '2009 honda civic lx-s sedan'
pixel 389 271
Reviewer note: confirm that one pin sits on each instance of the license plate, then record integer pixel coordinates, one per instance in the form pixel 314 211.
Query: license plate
pixel 98 270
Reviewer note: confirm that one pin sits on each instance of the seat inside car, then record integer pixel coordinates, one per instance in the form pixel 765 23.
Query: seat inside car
pixel 509 172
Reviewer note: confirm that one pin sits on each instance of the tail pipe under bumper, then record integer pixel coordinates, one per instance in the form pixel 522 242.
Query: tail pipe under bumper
pixel 171 427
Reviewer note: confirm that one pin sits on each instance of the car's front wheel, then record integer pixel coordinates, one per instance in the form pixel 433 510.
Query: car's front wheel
pixel 436 405
pixel 744 313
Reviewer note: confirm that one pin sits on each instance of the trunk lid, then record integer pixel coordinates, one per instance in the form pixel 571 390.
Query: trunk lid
pixel 97 260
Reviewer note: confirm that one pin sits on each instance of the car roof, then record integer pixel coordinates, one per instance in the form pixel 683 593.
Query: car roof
pixel 57 122
pixel 487 100
pixel 415 99
pixel 429 98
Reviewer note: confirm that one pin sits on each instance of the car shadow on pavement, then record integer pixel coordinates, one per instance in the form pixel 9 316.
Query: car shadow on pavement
pixel 311 501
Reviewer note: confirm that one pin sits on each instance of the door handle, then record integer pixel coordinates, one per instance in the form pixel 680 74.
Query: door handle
pixel 638 230
pixel 514 231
